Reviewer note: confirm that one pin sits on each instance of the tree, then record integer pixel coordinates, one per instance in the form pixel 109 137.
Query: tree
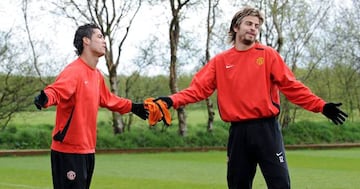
pixel 18 70
pixel 17 85
pixel 115 19
pixel 210 24
pixel 174 35
pixel 344 70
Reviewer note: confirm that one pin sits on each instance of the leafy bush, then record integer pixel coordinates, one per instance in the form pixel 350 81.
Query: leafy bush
pixel 307 132
pixel 22 137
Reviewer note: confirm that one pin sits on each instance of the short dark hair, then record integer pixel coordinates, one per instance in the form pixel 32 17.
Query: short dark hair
pixel 83 31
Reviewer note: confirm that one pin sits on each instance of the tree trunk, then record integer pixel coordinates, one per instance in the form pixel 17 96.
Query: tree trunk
pixel 118 125
pixel 182 121
pixel 173 88
pixel 211 115
pixel 210 23
pixel 285 114
pixel 174 35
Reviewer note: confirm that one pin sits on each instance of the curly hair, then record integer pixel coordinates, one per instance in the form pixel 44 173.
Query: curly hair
pixel 237 19
pixel 83 31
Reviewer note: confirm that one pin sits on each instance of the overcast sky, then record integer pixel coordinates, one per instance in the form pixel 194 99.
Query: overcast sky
pixel 59 31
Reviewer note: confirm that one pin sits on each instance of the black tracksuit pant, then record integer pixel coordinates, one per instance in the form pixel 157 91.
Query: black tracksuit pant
pixel 256 142
pixel 72 171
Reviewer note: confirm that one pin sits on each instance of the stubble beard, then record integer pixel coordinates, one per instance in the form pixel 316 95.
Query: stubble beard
pixel 247 42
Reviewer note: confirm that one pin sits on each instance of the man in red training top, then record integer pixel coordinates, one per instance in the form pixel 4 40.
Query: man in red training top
pixel 248 78
pixel 78 92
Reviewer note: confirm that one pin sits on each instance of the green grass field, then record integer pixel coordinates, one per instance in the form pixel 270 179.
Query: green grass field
pixel 309 169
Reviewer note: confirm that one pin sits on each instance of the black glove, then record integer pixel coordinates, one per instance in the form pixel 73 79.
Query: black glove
pixel 40 100
pixel 139 110
pixel 166 99
pixel 332 112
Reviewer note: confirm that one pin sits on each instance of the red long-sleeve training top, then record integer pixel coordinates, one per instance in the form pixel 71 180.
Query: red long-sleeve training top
pixel 78 92
pixel 248 84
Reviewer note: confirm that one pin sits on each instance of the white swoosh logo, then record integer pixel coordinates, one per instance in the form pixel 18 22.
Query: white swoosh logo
pixel 229 66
